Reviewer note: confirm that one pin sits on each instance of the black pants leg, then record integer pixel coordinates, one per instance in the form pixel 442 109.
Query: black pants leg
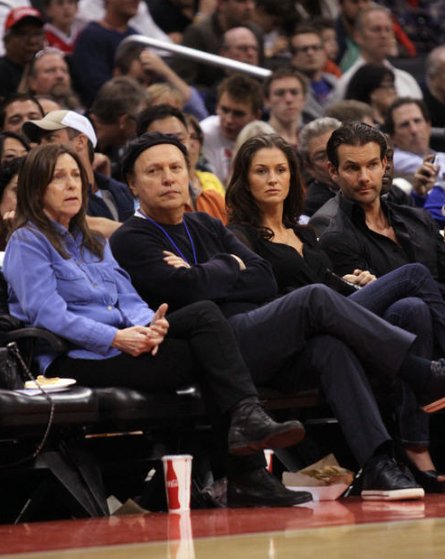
pixel 270 335
pixel 348 392
pixel 343 339
pixel 199 347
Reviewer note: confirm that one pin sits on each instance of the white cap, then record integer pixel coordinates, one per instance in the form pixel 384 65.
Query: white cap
pixel 56 120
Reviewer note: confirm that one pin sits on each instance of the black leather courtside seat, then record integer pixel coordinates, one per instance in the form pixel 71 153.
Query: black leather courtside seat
pixel 25 415
pixel 123 407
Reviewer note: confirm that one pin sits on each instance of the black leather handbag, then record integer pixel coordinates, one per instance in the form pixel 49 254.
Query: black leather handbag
pixel 10 368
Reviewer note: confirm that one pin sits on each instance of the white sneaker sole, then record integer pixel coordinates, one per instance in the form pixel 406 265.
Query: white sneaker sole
pixel 393 495
pixel 434 406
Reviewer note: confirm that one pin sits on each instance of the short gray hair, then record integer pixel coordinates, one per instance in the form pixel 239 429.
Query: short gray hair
pixel 314 129
pixel 433 61
pixel 358 24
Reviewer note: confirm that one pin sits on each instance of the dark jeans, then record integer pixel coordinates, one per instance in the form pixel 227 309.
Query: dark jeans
pixel 409 298
pixel 316 330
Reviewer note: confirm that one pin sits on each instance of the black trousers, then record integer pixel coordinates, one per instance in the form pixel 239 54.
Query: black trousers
pixel 315 334
pixel 200 347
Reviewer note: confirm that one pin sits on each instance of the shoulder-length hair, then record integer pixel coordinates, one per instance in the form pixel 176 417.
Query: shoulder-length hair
pixel 35 175
pixel 242 207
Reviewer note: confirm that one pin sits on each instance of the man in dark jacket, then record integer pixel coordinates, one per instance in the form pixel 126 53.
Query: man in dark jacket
pixel 368 232
pixel 181 258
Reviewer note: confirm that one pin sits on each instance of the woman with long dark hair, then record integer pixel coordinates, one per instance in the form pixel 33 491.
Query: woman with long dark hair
pixel 264 199
pixel 62 277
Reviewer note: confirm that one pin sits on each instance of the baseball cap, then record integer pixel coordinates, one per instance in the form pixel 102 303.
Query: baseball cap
pixel 56 120
pixel 17 15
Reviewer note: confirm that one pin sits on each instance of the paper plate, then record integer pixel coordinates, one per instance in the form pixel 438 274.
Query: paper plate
pixel 32 386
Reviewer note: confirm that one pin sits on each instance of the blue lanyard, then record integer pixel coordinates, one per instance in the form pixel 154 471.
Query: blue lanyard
pixel 169 238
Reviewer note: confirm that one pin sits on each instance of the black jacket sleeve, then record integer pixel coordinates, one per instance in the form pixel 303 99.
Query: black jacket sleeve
pixel 217 276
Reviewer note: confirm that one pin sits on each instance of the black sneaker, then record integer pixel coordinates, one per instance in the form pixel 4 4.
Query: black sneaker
pixel 252 429
pixel 433 398
pixel 384 480
pixel 260 488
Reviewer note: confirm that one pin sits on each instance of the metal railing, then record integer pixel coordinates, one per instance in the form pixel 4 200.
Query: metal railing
pixel 201 56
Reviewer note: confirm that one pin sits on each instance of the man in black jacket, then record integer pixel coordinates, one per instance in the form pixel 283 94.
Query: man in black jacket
pixel 310 336
pixel 368 232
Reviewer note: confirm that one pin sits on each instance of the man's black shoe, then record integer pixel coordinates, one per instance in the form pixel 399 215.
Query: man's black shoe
pixel 433 398
pixel 384 480
pixel 252 429
pixel 260 488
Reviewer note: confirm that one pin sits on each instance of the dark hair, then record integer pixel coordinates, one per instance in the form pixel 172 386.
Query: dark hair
pixel 18 97
pixel 285 72
pixel 354 134
pixel 321 23
pixel 242 207
pixel 284 12
pixel 8 171
pixel 6 134
pixel 366 80
pixel 283 9
pixel 389 122
pixel 304 29
pixel 348 110
pixel 119 96
pixel 35 175
pixel 126 53
pixel 243 89
pixel 157 112
pixel 135 147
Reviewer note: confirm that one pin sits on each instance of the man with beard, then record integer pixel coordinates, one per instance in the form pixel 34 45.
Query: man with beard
pixel 367 232
pixel 322 199
pixel 49 75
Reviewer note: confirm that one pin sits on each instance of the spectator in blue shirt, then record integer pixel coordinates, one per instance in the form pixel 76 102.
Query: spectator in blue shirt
pixel 62 277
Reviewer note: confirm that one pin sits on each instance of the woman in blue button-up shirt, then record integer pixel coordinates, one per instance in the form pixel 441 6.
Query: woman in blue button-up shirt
pixel 62 277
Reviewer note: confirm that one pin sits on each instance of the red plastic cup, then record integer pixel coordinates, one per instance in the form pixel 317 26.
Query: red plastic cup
pixel 178 478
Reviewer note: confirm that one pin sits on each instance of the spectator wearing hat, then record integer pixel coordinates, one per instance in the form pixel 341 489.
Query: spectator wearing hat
pixel 109 201
pixel 23 37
